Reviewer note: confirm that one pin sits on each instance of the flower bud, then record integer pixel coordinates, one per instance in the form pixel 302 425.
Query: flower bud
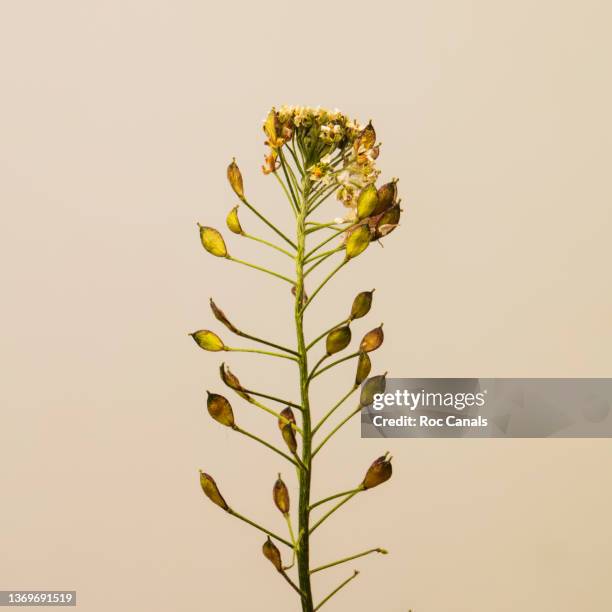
pixel 372 386
pixel 231 380
pixel 386 197
pixel 372 340
pixel 361 304
pixel 280 494
pixel 338 339
pixel 220 409
pixel 209 486
pixel 380 471
pixel 388 221
pixel 220 316
pixel 287 418
pixel 367 201
pixel 233 223
pixel 289 437
pixel 212 241
pixel 357 241
pixel 364 365
pixel 273 555
pixel 208 340
pixel 235 179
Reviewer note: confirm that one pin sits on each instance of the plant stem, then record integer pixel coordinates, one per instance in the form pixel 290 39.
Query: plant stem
pixel 268 223
pixel 267 444
pixel 244 350
pixel 336 496
pixel 336 507
pixel 253 524
pixel 260 268
pixel 266 342
pixel 335 429
pixel 270 244
pixel 335 407
pixel 382 551
pixel 326 332
pixel 325 281
pixel 331 365
pixel 273 398
pixel 274 413
pixel 336 590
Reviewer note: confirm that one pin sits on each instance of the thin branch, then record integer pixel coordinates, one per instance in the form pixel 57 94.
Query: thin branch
pixel 334 408
pixel 268 223
pixel 332 497
pixel 381 551
pixel 267 444
pixel 325 281
pixel 270 244
pixel 331 365
pixel 254 524
pixel 274 413
pixel 273 398
pixel 312 372
pixel 325 333
pixel 293 585
pixel 336 590
pixel 336 507
pixel 269 353
pixel 335 429
pixel 322 259
pixel 256 267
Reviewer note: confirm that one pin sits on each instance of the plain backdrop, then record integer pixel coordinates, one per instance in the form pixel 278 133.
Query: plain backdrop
pixel 117 121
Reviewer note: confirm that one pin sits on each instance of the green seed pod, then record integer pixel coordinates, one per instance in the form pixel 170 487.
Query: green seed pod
pixel 386 197
pixel 220 316
pixel 280 494
pixel 380 471
pixel 388 221
pixel 209 486
pixel 367 201
pixel 208 340
pixel 220 409
pixel 338 339
pixel 287 418
pixel 232 221
pixel 212 241
pixel 273 555
pixel 364 365
pixel 372 340
pixel 358 241
pixel 289 438
pixel 371 387
pixel 235 179
pixel 361 304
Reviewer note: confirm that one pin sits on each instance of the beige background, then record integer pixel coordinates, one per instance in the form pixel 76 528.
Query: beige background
pixel 117 121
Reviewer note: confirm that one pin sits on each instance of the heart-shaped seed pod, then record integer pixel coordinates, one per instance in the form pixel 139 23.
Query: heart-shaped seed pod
pixel 209 486
pixel 273 555
pixel 367 201
pixel 380 471
pixel 358 241
pixel 220 316
pixel 286 418
pixel 361 305
pixel 387 195
pixel 220 409
pixel 372 386
pixel 364 365
pixel 233 223
pixel 235 179
pixel 338 339
pixel 212 241
pixel 280 494
pixel 289 438
pixel 207 340
pixel 372 340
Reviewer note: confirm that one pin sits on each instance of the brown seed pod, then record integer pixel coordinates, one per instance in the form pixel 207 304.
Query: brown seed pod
pixel 209 486
pixel 220 316
pixel 361 305
pixel 364 365
pixel 387 195
pixel 207 340
pixel 212 241
pixel 289 437
pixel 273 555
pixel 388 221
pixel 220 409
pixel 287 418
pixel 380 471
pixel 372 340
pixel 338 339
pixel 280 494
pixel 235 179
pixel 233 222
pixel 374 385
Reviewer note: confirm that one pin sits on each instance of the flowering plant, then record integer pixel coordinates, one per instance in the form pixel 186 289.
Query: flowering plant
pixel 314 154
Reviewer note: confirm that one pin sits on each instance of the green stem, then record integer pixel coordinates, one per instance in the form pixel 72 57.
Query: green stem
pixel 273 398
pixel 254 524
pixel 293 585
pixel 266 444
pixel 280 180
pixel 325 281
pixel 336 507
pixel 260 268
pixel 325 333
pixel 335 407
pixel 324 254
pixel 270 244
pixel 270 225
pixel 335 429
pixel 269 353
pixel 322 259
pixel 333 363
pixel 382 551
pixel 336 590
pixel 331 497
pixel 274 413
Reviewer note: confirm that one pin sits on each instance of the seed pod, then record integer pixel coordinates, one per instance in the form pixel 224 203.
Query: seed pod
pixel 208 340
pixel 209 486
pixel 235 179
pixel 364 365
pixel 386 197
pixel 287 418
pixel 380 471
pixel 372 340
pixel 289 437
pixel 367 201
pixel 273 555
pixel 361 305
pixel 367 138
pixel 338 339
pixel 372 386
pixel 232 221
pixel 280 494
pixel 358 241
pixel 220 316
pixel 220 409
pixel 388 221
pixel 212 241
